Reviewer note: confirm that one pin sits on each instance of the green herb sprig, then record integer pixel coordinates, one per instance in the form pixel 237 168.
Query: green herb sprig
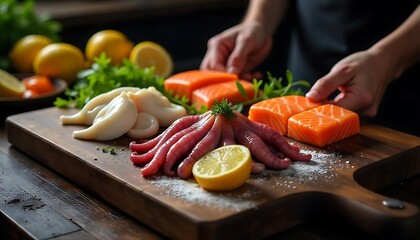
pixel 185 102
pixel 224 107
pixel 275 87
pixel 103 77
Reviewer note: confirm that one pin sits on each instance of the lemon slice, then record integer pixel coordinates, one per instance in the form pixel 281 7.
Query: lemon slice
pixel 224 168
pixel 10 86
pixel 150 54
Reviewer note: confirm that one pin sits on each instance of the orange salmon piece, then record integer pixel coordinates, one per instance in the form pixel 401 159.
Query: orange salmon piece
pixel 206 96
pixel 323 125
pixel 275 112
pixel 184 83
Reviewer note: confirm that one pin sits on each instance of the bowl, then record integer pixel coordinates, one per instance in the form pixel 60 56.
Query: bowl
pixel 12 105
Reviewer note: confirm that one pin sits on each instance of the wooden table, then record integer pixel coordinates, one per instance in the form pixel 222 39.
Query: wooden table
pixel 36 202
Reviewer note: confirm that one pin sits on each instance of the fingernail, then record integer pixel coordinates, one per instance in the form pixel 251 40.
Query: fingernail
pixel 233 69
pixel 314 95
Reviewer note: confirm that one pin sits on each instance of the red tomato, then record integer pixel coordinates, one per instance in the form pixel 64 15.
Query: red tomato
pixel 29 94
pixel 38 84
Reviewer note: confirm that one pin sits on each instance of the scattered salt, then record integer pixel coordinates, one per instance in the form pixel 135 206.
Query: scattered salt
pixel 191 191
pixel 322 167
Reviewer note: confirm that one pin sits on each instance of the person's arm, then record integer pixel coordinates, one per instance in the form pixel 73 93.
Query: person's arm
pixel 402 47
pixel 363 77
pixel 243 47
pixel 268 13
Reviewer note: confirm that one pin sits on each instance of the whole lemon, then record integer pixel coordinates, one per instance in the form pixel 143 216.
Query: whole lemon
pixel 23 52
pixel 61 60
pixel 113 43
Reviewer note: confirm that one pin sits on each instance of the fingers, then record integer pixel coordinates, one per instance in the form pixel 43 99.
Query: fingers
pixel 236 62
pixel 237 50
pixel 219 49
pixel 354 91
pixel 325 86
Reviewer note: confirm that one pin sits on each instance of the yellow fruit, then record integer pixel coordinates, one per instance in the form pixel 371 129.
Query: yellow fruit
pixel 224 168
pixel 150 54
pixel 24 51
pixel 61 60
pixel 10 86
pixel 113 43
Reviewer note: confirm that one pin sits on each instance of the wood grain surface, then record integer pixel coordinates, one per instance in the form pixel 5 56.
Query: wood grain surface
pixel 342 187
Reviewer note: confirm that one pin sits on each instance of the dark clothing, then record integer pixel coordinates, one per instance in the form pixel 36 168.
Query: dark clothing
pixel 326 31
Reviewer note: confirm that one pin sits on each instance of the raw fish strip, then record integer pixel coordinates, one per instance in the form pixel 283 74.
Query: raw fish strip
pixel 159 157
pixel 228 136
pixel 208 143
pixel 271 136
pixel 179 125
pixel 257 146
pixel 185 145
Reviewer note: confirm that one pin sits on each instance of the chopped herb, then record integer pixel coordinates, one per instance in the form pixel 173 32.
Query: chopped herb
pixel 224 107
pixel 109 149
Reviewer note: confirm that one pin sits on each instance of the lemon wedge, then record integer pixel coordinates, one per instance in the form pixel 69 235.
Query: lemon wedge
pixel 150 54
pixel 224 168
pixel 10 86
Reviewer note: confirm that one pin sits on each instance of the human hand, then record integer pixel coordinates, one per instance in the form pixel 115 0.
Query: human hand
pixel 238 50
pixel 361 78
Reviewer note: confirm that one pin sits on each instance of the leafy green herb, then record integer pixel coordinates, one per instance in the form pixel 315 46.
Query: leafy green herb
pixel 110 150
pixel 185 103
pixel 104 77
pixel 275 87
pixel 224 107
pixel 18 19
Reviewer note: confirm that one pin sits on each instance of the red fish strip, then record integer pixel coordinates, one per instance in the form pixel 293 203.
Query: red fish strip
pixel 159 157
pixel 257 146
pixel 274 138
pixel 177 126
pixel 228 136
pixel 185 145
pixel 208 143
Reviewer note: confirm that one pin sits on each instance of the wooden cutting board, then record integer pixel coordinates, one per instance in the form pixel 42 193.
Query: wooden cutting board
pixel 340 182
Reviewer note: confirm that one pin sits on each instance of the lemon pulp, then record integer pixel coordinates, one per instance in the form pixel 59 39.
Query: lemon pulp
pixel 224 168
pixel 150 54
pixel 10 86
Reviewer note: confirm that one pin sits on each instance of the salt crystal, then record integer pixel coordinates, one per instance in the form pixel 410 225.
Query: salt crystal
pixel 320 168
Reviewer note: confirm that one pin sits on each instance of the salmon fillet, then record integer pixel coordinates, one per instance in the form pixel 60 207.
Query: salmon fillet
pixel 206 96
pixel 184 83
pixel 275 112
pixel 323 125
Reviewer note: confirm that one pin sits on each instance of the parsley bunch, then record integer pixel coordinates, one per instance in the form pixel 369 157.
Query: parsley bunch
pixel 103 77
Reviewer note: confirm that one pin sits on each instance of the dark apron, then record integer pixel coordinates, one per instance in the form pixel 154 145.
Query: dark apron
pixel 326 31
